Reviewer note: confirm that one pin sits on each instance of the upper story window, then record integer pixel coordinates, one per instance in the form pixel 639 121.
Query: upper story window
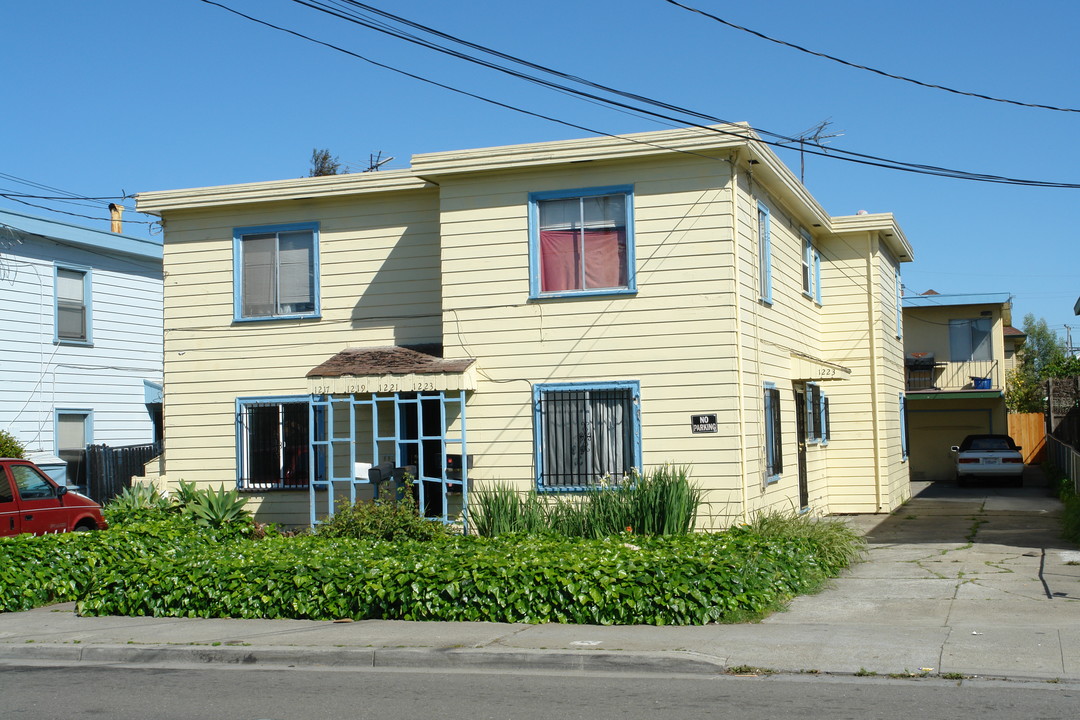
pixel 811 268
pixel 969 339
pixel 764 254
pixel 73 305
pixel 276 271
pixel 581 242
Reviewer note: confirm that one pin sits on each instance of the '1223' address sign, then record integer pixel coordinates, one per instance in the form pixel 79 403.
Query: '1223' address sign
pixel 703 423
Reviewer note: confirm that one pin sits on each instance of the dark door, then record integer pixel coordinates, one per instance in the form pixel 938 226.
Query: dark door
pixel 800 426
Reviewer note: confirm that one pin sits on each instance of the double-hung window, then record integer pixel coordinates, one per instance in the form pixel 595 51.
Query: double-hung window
pixel 969 340
pixel 817 414
pixel 811 268
pixel 586 434
pixel 276 271
pixel 73 305
pixel 272 442
pixel 581 242
pixel 774 444
pixel 764 254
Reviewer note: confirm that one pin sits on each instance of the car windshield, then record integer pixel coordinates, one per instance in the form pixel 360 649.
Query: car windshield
pixel 990 444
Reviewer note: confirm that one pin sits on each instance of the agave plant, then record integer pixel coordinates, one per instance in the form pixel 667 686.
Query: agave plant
pixel 136 503
pixel 215 508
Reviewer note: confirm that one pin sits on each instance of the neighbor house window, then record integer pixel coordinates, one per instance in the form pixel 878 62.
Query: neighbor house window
pixel 74 431
pixel 764 254
pixel 586 434
pixel 276 271
pixel 774 453
pixel 969 339
pixel 272 443
pixel 582 242
pixel 73 305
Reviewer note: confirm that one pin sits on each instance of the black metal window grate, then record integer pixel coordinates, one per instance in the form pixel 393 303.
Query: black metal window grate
pixel 274 446
pixel 587 437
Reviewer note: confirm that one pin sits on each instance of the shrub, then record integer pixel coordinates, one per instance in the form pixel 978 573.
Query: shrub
pixel 381 520
pixel 499 509
pixel 10 447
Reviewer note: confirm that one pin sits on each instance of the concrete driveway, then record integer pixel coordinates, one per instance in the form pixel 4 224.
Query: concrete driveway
pixel 984 569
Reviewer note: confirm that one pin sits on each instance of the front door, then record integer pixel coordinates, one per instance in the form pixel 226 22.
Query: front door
pixel 800 425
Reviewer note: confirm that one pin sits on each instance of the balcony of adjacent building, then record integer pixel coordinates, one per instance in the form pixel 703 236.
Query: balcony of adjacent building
pixel 924 373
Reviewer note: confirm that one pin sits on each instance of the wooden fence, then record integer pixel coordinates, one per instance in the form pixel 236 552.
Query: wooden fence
pixel 1028 430
pixel 109 470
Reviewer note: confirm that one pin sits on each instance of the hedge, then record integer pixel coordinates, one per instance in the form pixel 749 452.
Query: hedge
pixel 160 569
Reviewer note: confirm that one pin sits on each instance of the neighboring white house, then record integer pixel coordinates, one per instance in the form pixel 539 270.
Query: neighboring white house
pixel 81 322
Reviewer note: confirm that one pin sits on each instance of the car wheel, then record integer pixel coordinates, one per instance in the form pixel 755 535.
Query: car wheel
pixel 83 527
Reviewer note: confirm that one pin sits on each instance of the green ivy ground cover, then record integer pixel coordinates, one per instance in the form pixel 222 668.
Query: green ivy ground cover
pixel 159 569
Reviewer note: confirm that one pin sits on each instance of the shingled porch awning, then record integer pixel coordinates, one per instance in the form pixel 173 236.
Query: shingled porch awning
pixel 390 369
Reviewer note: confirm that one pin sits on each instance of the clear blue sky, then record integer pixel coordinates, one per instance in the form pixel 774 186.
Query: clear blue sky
pixel 118 96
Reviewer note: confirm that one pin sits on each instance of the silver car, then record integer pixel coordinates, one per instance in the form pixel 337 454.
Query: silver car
pixel 988 456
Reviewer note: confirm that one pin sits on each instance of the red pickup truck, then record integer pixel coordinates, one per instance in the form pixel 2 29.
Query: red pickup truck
pixel 31 502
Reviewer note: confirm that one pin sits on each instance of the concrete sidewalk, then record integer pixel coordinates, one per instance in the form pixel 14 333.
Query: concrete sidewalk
pixel 972 582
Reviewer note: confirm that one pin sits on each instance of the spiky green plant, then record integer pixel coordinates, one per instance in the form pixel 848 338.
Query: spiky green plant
pixel 137 503
pixel 216 508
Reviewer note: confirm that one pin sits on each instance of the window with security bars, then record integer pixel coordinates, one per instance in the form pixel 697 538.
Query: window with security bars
pixel 586 435
pixel 774 452
pixel 273 445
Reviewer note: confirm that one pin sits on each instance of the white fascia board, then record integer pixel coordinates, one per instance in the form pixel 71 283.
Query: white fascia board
pixel 882 223
pixel 664 142
pixel 277 190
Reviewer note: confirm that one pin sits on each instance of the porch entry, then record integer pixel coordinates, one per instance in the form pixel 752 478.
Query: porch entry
pixel 350 434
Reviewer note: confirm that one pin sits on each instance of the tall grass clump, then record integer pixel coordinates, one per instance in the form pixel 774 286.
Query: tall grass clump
pixel 499 510
pixel 660 502
pixel 835 544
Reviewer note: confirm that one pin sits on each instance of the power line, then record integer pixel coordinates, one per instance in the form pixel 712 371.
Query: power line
pixel 867 68
pixel 785 139
pixel 846 155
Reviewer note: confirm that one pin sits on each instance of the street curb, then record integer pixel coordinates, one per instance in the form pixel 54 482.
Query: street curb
pixel 402 658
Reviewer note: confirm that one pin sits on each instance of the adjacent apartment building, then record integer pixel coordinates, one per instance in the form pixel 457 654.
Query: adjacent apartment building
pixel 548 315
pixel 81 359
pixel 959 348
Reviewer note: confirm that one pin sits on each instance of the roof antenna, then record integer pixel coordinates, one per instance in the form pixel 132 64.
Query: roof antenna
pixel 375 162
pixel 815 136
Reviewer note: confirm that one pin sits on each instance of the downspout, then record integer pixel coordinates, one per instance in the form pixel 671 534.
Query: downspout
pixel 733 161
pixel 871 263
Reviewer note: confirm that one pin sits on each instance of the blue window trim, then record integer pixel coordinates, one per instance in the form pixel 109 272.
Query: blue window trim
pixel 88 425
pixel 88 296
pixel 903 428
pixel 809 277
pixel 534 241
pixel 817 274
pixel 241 403
pixel 771 443
pixel 808 397
pixel 539 389
pixel 238 285
pixel 765 253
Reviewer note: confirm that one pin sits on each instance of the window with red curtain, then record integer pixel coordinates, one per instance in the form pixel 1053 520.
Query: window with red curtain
pixel 582 243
